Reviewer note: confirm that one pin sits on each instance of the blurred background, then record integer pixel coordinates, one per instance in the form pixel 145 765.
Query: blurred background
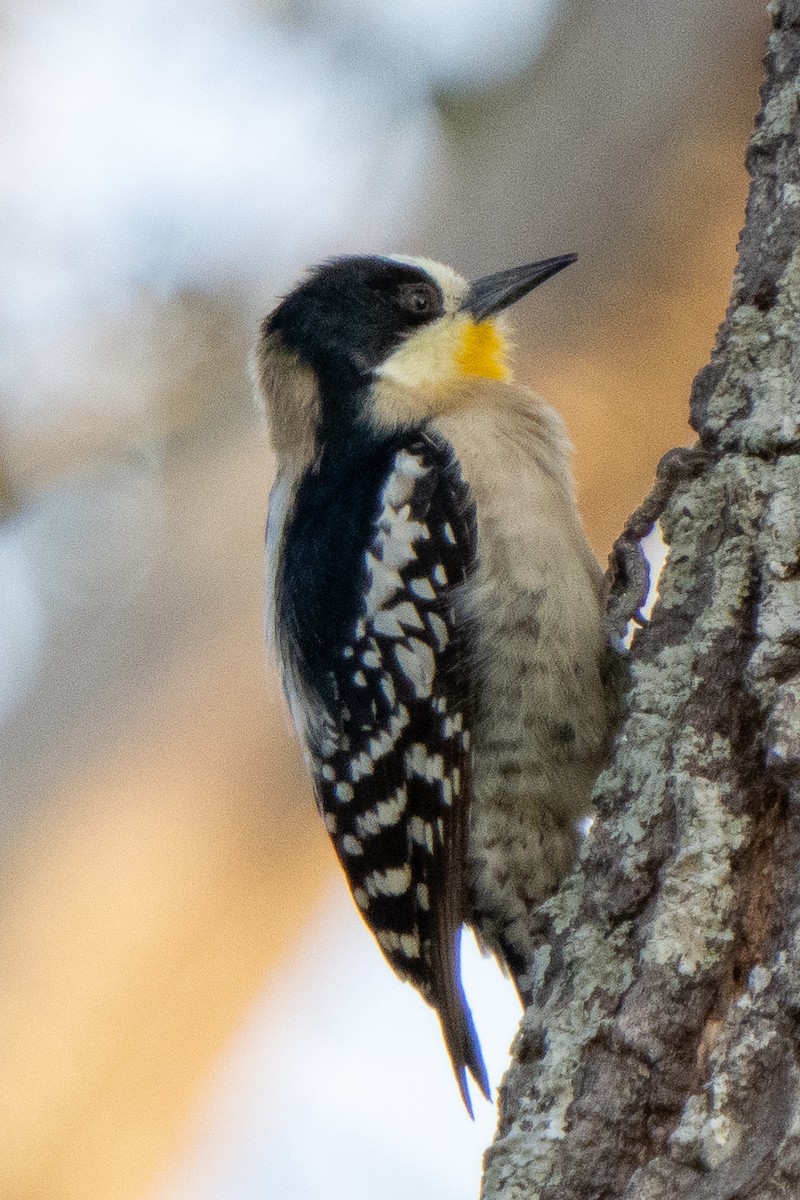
pixel 190 1008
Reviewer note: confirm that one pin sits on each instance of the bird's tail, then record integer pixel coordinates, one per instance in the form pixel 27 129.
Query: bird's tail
pixel 465 1055
pixel 461 1039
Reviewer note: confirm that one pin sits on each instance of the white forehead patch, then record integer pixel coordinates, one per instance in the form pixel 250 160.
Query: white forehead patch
pixel 453 286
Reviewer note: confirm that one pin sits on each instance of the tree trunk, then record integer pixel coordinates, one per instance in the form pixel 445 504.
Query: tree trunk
pixel 661 1055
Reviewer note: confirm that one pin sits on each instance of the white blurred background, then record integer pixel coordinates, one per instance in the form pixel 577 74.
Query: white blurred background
pixel 190 1008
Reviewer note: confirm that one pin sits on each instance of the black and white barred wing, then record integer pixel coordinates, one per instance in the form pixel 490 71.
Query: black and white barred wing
pixel 393 780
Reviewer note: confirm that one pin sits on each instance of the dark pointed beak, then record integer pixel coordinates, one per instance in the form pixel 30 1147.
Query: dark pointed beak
pixel 493 293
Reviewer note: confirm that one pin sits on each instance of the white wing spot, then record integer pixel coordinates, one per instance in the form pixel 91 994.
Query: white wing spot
pixel 360 767
pixel 397 534
pixel 438 630
pixel 330 822
pixel 367 824
pixel 423 898
pixel 399 488
pixel 391 882
pixel 400 484
pixel 416 661
pixel 388 939
pixel 385 582
pixel 327 772
pixel 426 766
pixel 359 679
pixel 439 575
pixel 398 721
pixel 409 944
pixel 390 811
pixel 435 768
pixel 422 588
pixel 411 464
pixel 385 623
pixel 447 530
pixel 387 687
pixel 380 745
pixel 415 757
pixel 407 615
pixel 343 792
pixel 361 898
pixel 351 846
pixel 420 832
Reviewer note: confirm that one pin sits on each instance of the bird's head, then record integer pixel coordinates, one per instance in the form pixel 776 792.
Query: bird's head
pixel 369 344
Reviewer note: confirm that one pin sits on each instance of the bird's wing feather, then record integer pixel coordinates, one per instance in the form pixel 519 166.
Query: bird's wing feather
pixel 394 777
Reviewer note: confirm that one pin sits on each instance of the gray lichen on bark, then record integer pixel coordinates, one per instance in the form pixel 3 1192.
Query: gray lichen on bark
pixel 661 1053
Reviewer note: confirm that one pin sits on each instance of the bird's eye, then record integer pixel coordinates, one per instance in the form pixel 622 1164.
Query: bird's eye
pixel 417 299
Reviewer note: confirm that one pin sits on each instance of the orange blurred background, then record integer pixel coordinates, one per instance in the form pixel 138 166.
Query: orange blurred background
pixel 167 174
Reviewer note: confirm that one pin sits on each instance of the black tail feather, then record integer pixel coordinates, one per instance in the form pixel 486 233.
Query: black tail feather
pixel 461 1039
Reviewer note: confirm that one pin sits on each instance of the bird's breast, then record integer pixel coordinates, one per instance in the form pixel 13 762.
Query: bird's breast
pixel 535 600
pixel 534 604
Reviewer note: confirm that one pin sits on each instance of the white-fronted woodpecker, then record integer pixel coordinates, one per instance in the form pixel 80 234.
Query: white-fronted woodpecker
pixel 435 610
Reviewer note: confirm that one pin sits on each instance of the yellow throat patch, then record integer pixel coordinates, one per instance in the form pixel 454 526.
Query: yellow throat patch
pixel 483 351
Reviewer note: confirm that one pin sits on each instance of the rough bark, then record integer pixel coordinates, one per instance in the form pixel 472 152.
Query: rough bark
pixel 661 1054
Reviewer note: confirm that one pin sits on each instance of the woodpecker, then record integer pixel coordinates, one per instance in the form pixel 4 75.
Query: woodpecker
pixel 434 608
